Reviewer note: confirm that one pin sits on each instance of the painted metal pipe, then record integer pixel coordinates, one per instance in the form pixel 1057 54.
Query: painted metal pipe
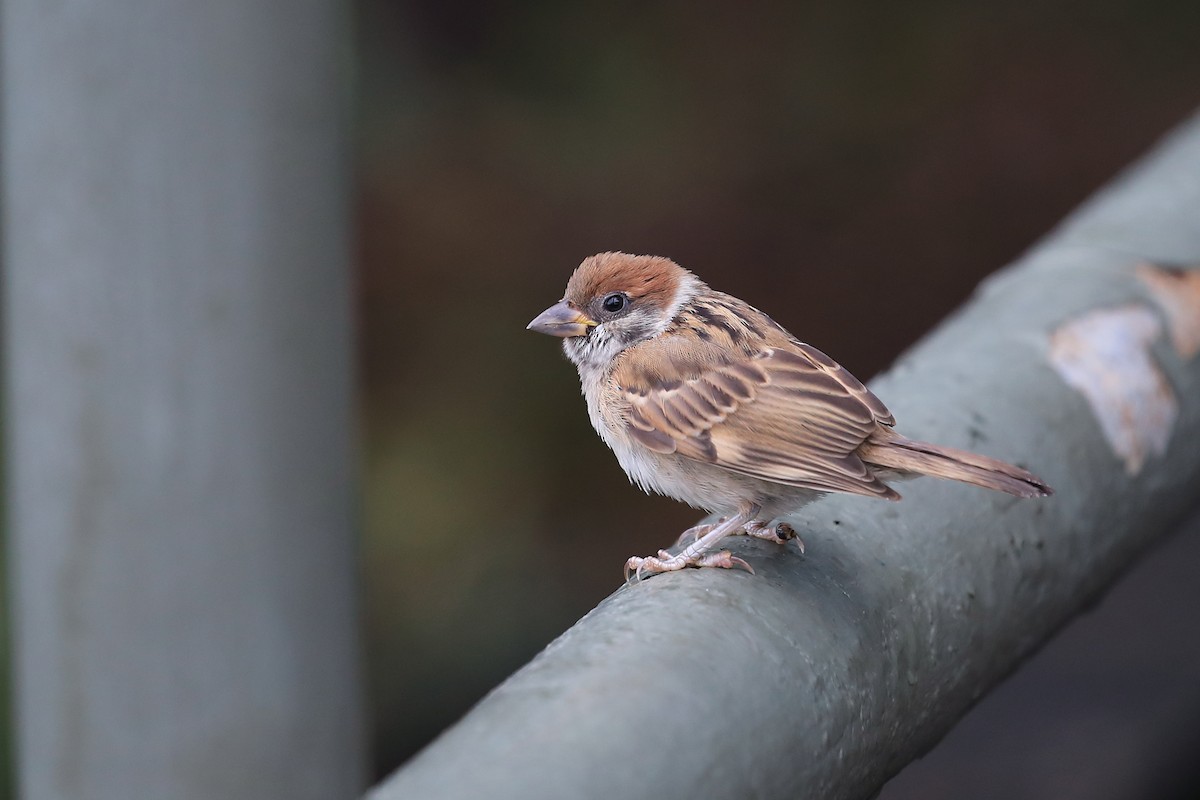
pixel 824 674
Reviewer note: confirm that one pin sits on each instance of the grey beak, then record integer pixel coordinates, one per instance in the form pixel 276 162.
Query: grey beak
pixel 561 320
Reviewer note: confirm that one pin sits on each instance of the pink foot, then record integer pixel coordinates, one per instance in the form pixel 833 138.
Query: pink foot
pixel 665 562
pixel 779 533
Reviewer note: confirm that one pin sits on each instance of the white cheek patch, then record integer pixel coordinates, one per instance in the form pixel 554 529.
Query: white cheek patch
pixel 688 287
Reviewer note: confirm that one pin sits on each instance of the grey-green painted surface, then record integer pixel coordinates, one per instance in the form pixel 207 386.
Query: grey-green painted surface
pixel 823 675
pixel 177 344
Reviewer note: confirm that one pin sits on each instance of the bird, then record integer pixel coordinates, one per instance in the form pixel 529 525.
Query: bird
pixel 705 399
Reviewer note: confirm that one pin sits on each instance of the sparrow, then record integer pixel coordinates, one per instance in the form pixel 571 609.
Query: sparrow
pixel 706 399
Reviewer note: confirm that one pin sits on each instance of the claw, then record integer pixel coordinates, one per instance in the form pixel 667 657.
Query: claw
pixel 779 533
pixel 698 553
pixel 634 567
pixel 665 562
pixel 638 565
pixel 723 559
pixel 692 534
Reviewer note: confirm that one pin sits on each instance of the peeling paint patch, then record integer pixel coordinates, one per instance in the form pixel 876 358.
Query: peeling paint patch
pixel 1106 355
pixel 1178 292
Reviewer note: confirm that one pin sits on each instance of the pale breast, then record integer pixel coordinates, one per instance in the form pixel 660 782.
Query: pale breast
pixel 700 485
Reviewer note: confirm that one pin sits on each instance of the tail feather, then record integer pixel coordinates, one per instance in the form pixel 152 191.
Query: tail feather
pixel 891 450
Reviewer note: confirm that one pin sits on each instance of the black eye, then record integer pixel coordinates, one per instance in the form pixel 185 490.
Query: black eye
pixel 614 303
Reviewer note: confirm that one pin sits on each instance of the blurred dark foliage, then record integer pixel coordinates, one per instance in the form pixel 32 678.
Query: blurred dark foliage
pixel 854 169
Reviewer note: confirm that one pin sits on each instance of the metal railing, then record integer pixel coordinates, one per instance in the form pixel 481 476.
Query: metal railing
pixel 823 675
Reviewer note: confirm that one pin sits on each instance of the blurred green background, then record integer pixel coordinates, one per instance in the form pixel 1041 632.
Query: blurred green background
pixel 853 169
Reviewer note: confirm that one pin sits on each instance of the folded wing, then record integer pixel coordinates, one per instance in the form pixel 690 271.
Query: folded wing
pixel 790 415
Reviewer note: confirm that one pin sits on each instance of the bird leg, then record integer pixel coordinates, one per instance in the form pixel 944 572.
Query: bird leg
pixel 696 554
pixel 695 532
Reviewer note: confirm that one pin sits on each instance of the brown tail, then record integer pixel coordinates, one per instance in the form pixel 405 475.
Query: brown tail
pixel 889 449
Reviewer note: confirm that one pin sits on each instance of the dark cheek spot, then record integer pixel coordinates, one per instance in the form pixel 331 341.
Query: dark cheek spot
pixel 633 329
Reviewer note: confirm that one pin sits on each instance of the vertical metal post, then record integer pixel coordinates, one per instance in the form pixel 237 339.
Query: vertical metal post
pixel 178 396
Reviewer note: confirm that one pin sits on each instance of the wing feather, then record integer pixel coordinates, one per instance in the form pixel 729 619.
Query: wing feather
pixel 789 415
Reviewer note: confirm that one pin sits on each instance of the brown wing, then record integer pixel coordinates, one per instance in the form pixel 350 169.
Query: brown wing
pixel 790 415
